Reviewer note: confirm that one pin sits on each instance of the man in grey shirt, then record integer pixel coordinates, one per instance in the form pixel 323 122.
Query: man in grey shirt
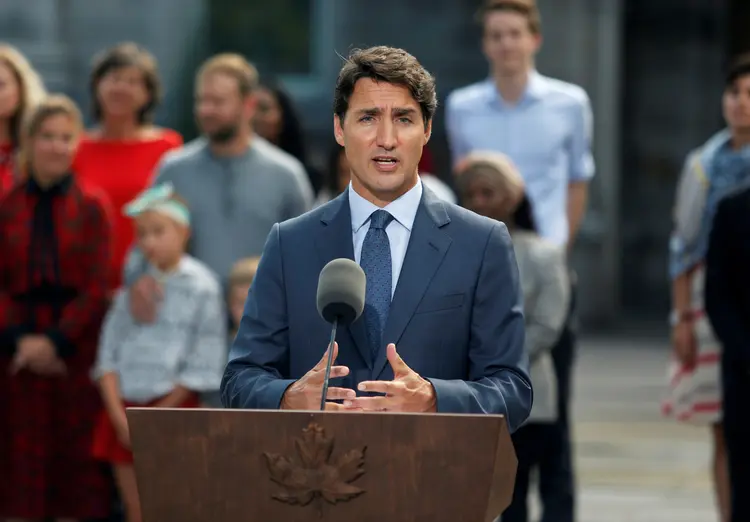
pixel 236 184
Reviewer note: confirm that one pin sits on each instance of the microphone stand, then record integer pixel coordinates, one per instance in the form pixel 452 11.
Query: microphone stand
pixel 329 363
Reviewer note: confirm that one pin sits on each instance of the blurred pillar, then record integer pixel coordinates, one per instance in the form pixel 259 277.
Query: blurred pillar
pixel 583 45
pixel 607 148
pixel 739 27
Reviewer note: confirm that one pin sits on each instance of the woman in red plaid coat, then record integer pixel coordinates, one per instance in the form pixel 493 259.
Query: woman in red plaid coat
pixel 54 269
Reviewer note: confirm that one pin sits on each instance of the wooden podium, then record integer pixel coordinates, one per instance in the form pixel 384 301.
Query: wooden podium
pixel 201 465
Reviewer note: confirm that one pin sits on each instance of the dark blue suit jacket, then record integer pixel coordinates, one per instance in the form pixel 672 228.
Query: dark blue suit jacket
pixel 456 316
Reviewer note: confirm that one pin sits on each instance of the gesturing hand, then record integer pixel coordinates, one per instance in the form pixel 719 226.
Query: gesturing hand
pixel 407 392
pixel 305 393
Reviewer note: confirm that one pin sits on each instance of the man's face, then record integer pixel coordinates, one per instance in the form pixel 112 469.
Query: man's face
pixel 383 133
pixel 736 104
pixel 220 108
pixel 508 42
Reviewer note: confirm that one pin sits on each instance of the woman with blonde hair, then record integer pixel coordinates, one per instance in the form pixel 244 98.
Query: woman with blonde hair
pixel 21 89
pixel 54 270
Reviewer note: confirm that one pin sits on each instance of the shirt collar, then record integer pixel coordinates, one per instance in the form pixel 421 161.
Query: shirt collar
pixel 403 210
pixel 536 88
pixel 725 149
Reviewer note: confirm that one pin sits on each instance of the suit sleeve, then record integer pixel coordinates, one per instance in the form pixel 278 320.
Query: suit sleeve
pixel 499 380
pixel 721 300
pixel 260 352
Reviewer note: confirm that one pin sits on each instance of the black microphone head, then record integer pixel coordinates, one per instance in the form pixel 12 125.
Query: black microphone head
pixel 341 291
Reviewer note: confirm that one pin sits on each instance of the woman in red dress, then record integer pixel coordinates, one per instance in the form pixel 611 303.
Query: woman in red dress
pixel 54 270
pixel 20 89
pixel 120 154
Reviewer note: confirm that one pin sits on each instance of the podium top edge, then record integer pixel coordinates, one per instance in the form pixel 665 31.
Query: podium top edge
pixel 234 411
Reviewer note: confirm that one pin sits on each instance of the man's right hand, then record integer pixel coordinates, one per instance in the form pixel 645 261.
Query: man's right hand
pixel 144 297
pixel 305 393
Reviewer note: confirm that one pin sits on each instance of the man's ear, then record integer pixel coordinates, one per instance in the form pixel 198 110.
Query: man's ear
pixel 428 132
pixel 539 41
pixel 338 129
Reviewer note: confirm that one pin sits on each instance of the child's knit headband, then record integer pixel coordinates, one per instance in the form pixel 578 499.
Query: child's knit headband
pixel 159 199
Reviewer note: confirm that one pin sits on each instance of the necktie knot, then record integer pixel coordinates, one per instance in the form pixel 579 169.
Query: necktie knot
pixel 380 219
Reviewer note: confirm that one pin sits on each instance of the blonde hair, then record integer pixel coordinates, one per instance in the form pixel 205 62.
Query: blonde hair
pixel 243 271
pixel 52 105
pixel 30 86
pixel 500 165
pixel 234 65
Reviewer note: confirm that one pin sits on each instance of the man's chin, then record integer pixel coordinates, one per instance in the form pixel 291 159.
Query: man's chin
pixel 510 66
pixel 387 180
pixel 393 183
pixel 221 136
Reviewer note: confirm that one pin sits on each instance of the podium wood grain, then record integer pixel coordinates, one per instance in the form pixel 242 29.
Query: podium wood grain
pixel 217 465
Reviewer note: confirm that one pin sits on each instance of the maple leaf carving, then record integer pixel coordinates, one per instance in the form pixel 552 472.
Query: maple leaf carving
pixel 312 475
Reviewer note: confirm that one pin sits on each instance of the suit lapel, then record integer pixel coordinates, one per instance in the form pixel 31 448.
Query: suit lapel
pixel 426 250
pixel 334 241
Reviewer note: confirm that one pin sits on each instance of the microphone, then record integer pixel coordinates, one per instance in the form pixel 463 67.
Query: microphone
pixel 340 300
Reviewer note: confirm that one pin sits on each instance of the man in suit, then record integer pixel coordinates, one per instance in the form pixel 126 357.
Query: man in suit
pixel 442 329
pixel 728 308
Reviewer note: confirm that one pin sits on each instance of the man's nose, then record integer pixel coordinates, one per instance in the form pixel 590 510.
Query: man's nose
pixel 386 138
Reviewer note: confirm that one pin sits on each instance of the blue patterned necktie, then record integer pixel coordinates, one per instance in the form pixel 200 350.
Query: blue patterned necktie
pixel 376 263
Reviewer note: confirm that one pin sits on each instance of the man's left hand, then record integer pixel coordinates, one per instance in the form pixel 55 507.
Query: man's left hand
pixel 407 392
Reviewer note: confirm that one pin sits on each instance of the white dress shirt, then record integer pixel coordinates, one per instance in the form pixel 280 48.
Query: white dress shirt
pixel 403 210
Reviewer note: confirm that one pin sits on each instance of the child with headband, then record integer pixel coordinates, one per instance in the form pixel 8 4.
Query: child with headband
pixel 167 363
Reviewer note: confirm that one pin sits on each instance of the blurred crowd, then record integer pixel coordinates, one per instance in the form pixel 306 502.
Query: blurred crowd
pixel 126 255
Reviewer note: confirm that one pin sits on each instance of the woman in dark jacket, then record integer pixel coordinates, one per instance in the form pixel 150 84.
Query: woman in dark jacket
pixel 55 239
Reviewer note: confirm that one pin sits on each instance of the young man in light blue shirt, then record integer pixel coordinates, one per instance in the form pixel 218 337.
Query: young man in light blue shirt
pixel 544 125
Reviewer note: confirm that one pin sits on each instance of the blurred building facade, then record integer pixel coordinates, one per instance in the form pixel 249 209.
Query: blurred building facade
pixel 652 70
